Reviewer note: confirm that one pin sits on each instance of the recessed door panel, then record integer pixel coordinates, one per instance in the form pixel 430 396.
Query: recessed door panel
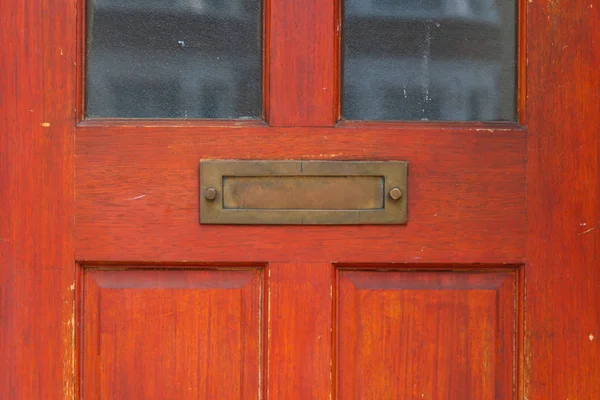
pixel 426 335
pixel 171 334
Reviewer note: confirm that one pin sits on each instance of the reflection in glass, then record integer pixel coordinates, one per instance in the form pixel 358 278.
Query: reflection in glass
pixel 173 59
pixel 452 60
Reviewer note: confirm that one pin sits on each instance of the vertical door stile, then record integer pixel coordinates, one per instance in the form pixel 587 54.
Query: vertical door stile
pixel 300 319
pixel 303 85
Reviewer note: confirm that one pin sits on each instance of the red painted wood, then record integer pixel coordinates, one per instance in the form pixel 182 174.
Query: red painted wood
pixel 184 334
pixel 300 325
pixel 303 83
pixel 562 336
pixel 466 194
pixel 430 335
pixel 37 276
pixel 468 199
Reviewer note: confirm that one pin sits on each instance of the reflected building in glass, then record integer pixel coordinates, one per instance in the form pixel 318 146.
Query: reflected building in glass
pixel 174 59
pixel 402 59
pixel 451 60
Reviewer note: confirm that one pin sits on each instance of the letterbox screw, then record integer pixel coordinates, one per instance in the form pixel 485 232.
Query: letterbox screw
pixel 395 193
pixel 210 193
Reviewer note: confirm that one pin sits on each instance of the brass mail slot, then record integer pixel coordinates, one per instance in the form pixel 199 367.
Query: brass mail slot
pixel 303 192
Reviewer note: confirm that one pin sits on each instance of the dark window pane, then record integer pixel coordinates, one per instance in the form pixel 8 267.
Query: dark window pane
pixel 174 59
pixel 452 60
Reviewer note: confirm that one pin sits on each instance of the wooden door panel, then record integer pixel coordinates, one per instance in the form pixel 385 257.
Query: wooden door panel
pixel 426 335
pixel 466 194
pixel 171 334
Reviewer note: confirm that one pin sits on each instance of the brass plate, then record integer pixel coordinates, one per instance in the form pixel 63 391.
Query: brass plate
pixel 302 192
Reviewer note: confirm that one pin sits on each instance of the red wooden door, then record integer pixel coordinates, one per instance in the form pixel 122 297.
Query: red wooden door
pixel 112 289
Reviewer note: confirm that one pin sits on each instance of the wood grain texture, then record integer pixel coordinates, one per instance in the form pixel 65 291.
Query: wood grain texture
pixel 137 196
pixel 37 83
pixel 562 353
pixel 303 85
pixel 300 326
pixel 181 334
pixel 426 335
pixel 466 194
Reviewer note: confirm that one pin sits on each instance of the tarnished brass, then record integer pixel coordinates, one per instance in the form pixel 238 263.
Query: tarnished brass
pixel 395 193
pixel 303 192
pixel 210 193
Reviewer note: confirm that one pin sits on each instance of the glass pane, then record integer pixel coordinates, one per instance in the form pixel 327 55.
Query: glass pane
pixel 174 59
pixel 452 60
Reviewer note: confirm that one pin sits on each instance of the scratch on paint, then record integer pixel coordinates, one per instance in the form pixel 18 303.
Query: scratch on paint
pixel 332 155
pixel 138 197
pixel 69 359
pixel 46 124
pixel 588 231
